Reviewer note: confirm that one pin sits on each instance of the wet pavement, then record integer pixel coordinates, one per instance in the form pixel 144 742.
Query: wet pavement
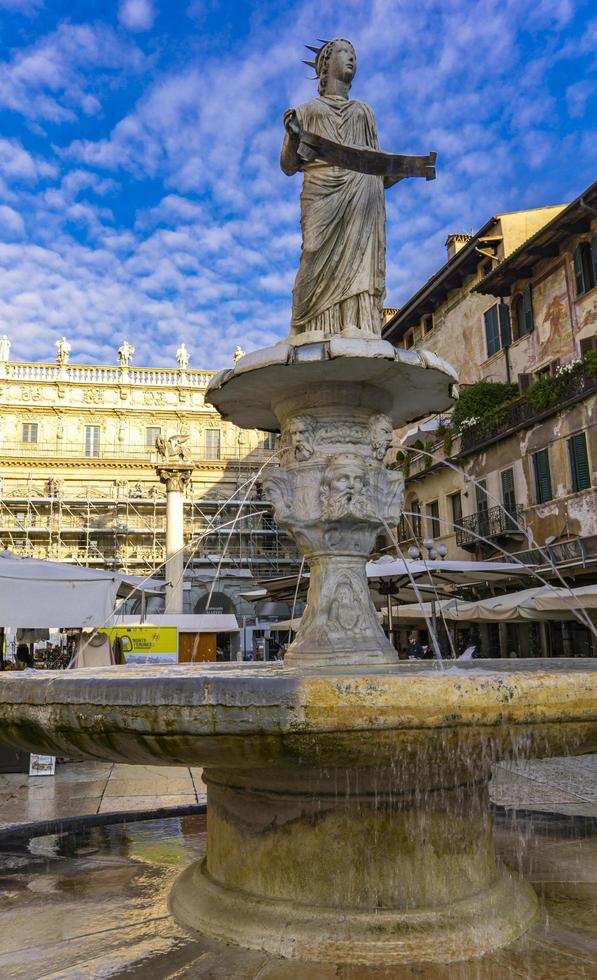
pixel 92 902
pixel 83 788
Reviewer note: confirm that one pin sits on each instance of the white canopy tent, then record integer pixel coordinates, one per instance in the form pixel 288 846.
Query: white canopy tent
pixel 39 594
pixel 425 431
pixel 399 574
pixel 539 604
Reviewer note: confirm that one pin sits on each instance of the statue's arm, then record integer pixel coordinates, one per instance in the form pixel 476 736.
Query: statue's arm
pixel 290 161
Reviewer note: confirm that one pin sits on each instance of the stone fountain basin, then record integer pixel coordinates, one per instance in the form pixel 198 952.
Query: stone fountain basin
pixel 348 809
pixel 260 715
pixel 414 383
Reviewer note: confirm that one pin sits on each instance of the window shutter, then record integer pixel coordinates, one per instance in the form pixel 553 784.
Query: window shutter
pixel 492 333
pixel 594 257
pixel 543 490
pixel 524 382
pixel 508 494
pixel 505 332
pixel 580 286
pixel 527 308
pixel 587 344
pixel 579 462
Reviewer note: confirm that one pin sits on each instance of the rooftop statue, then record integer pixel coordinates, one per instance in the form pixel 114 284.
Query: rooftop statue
pixel 63 349
pixel 182 356
pixel 125 352
pixel 341 282
pixel 4 348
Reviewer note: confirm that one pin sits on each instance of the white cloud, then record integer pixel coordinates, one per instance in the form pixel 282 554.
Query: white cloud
pixel 61 74
pixel 12 225
pixel 136 15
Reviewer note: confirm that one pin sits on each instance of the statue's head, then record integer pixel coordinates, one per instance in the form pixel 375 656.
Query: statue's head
pixel 334 59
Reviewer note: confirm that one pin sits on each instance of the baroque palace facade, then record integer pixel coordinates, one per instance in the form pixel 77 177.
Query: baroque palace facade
pixel 77 469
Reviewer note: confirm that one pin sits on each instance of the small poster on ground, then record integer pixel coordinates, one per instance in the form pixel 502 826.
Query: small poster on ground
pixel 42 765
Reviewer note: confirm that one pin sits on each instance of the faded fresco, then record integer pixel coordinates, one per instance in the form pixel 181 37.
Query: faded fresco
pixel 553 320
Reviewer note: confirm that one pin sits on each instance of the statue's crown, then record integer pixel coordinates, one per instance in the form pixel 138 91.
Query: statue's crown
pixel 316 51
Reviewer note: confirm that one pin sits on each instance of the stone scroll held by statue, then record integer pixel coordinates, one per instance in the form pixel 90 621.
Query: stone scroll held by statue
pixel 340 285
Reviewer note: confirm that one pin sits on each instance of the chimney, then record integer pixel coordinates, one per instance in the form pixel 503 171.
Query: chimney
pixel 455 242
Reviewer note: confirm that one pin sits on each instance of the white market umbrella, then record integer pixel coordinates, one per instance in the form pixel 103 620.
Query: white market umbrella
pixel 39 594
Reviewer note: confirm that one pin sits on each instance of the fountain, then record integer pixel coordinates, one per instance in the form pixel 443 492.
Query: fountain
pixel 348 812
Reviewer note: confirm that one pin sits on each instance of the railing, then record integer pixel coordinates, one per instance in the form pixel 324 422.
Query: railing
pixel 522 413
pixel 62 450
pixel 92 374
pixel 490 523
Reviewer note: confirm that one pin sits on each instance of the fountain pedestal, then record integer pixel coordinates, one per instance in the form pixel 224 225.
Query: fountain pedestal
pixel 356 866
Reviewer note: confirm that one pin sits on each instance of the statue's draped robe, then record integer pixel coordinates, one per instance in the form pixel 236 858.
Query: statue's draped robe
pixel 341 278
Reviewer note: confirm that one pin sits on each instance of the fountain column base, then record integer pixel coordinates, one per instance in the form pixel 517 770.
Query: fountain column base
pixel 349 866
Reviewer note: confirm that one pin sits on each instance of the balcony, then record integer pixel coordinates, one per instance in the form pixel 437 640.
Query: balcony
pixel 492 523
pixel 522 414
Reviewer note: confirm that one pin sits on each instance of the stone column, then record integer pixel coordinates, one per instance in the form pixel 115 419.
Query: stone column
pixel 175 476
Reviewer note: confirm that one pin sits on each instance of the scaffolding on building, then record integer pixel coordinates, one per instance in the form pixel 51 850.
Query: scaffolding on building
pixel 126 531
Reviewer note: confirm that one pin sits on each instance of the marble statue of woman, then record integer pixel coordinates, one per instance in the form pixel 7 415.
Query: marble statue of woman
pixel 340 286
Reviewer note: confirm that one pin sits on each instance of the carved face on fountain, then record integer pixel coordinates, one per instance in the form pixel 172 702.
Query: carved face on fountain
pixel 344 488
pixel 381 434
pixel 301 434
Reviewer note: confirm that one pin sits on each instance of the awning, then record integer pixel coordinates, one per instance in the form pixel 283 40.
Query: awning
pixel 539 604
pixel 398 574
pixel 425 431
pixel 38 594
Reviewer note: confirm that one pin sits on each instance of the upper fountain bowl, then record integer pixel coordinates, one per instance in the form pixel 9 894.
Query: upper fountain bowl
pixel 416 383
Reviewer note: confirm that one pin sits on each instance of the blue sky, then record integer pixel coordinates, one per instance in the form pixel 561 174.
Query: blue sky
pixel 140 191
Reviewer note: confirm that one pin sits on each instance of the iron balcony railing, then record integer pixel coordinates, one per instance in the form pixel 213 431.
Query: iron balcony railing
pixel 522 413
pixel 490 523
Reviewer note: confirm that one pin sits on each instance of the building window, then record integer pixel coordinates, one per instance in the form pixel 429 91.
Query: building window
pixel 482 508
pixel 585 265
pixel 412 519
pixel 543 491
pixel 269 440
pixel 579 462
pixel 456 509
pixel 427 323
pixel 509 497
pixel 212 443
pixel 433 524
pixel 92 440
pixel 409 340
pixel 523 316
pixel 497 328
pixel 152 432
pixel 29 432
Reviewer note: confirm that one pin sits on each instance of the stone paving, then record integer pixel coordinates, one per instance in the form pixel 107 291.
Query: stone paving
pixel 81 788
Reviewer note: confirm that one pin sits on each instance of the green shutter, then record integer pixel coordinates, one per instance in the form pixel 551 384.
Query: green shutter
pixel 505 332
pixel 543 490
pixel 578 271
pixel 527 309
pixel 508 491
pixel 579 462
pixel 492 331
pixel 594 257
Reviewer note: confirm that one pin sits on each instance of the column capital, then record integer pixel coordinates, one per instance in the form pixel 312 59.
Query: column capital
pixel 175 475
